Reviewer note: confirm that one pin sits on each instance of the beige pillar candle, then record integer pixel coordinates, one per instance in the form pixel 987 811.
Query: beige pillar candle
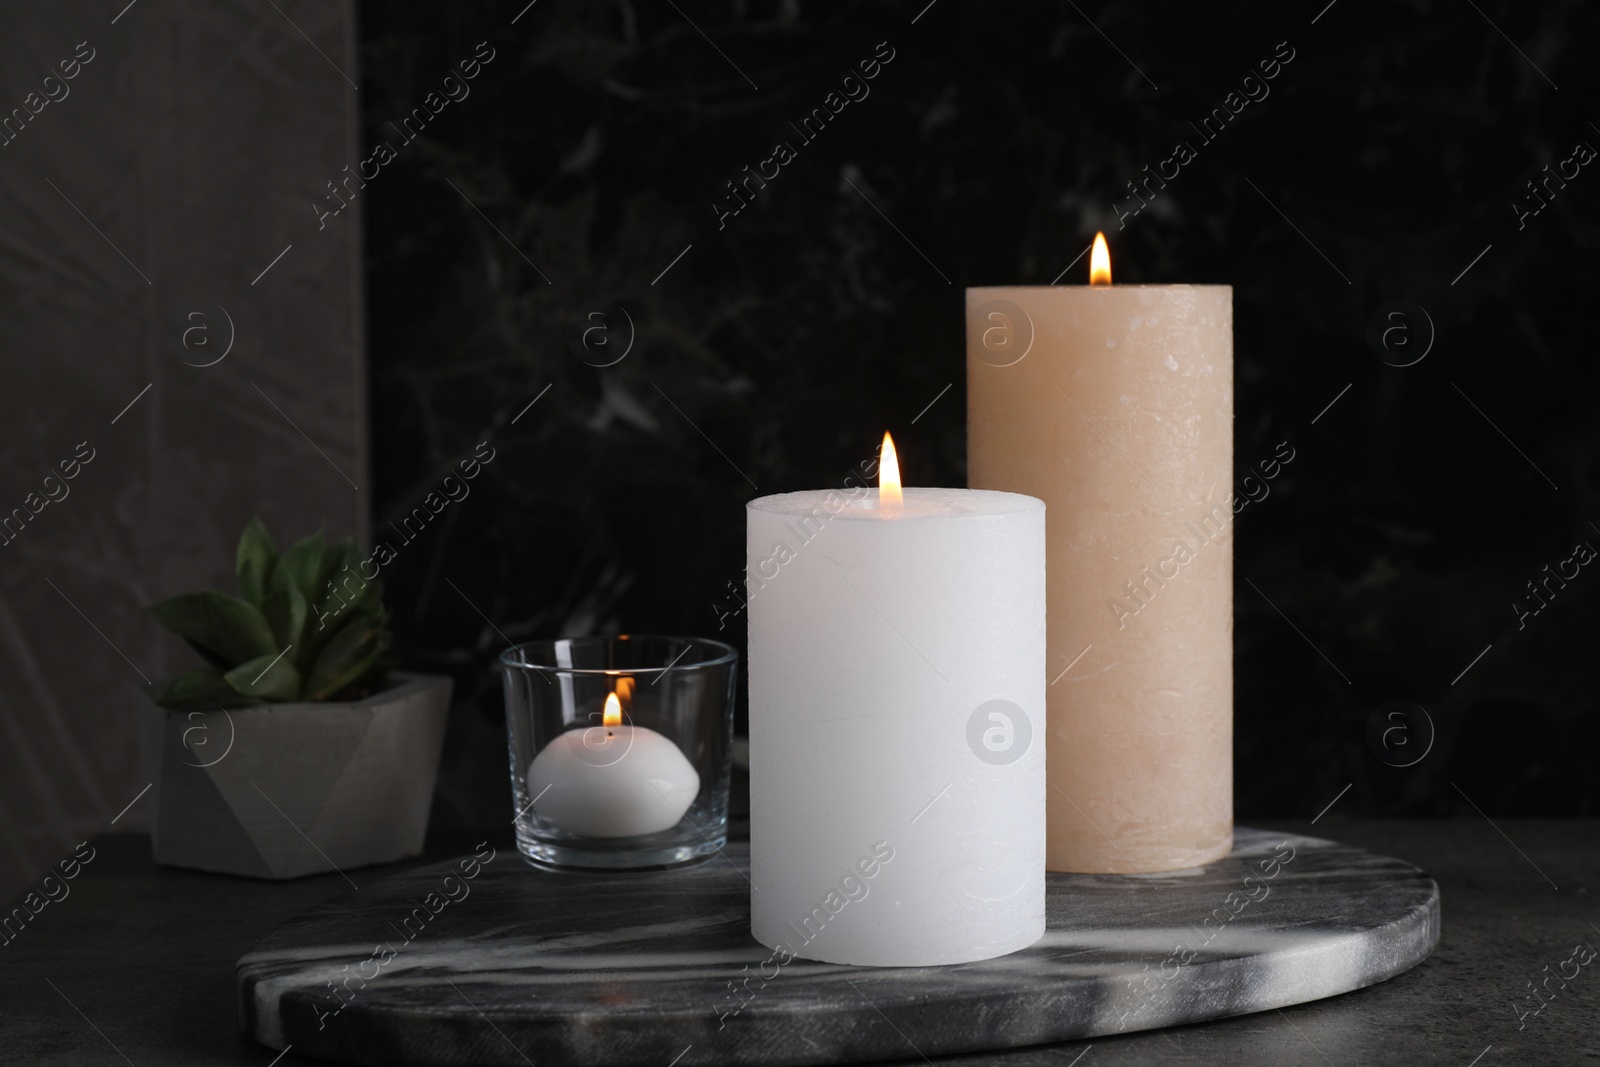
pixel 1114 405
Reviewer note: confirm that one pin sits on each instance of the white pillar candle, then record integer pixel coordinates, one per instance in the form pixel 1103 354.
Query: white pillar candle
pixel 896 725
pixel 611 780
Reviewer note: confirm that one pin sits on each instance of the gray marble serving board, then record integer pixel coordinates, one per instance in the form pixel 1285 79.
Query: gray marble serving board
pixel 516 966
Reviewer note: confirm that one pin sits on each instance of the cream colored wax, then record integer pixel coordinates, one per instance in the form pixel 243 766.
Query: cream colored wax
pixel 1114 405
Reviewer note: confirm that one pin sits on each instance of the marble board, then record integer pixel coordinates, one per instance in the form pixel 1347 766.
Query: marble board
pixel 485 960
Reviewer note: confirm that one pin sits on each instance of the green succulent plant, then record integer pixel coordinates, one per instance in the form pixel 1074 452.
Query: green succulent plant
pixel 304 627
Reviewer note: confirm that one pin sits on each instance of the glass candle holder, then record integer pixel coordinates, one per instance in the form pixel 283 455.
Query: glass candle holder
pixel 621 749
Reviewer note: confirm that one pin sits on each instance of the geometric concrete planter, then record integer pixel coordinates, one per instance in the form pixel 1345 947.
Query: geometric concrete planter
pixel 285 790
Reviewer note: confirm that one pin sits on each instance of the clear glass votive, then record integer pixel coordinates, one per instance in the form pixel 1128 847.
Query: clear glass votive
pixel 621 749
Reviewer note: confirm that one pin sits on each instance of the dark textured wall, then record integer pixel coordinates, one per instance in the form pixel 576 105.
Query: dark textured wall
pixel 1383 160
pixel 140 210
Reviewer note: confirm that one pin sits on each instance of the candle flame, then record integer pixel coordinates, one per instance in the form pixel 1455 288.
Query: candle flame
pixel 612 716
pixel 1100 263
pixel 889 474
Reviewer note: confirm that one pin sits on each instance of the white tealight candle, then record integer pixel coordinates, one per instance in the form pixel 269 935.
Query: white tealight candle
pixel 612 780
pixel 897 695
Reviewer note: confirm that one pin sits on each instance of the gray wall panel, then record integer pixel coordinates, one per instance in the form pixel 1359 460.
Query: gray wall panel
pixel 191 148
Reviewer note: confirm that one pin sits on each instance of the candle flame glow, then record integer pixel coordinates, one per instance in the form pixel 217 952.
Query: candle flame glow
pixel 889 474
pixel 612 716
pixel 1100 263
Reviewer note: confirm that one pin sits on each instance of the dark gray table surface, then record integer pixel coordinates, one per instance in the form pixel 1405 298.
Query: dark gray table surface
pixel 137 965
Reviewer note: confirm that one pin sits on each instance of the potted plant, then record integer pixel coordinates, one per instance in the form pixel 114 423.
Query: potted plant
pixel 295 749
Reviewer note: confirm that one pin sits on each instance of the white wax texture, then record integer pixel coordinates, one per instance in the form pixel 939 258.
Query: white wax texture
pixel 611 781
pixel 1120 417
pixel 876 636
